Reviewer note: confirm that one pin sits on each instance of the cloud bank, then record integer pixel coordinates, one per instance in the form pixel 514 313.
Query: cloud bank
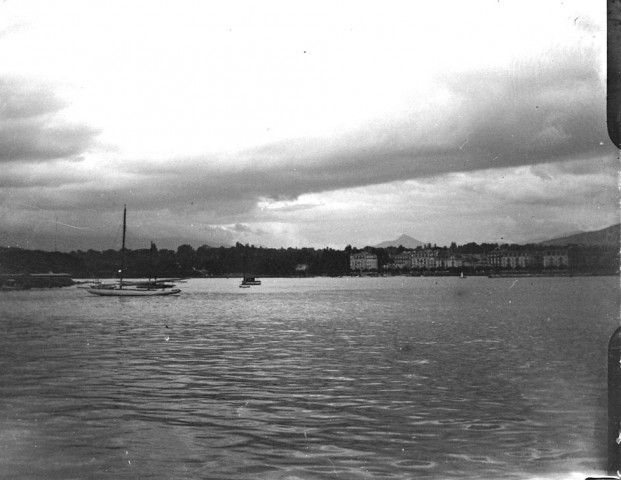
pixel 302 145
pixel 31 125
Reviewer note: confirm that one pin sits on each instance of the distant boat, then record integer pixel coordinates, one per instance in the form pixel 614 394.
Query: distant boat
pixel 462 276
pixel 148 288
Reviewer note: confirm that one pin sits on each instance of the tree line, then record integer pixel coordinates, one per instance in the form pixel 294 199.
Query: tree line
pixel 184 262
pixel 240 259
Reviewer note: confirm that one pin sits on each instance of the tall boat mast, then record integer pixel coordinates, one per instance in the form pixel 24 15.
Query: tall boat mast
pixel 151 250
pixel 123 247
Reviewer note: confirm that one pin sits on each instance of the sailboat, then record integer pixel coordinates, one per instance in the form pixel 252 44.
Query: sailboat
pixel 124 288
pixel 247 280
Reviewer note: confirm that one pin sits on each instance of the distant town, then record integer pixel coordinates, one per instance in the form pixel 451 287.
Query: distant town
pixel 508 260
pixel 595 253
pixel 590 254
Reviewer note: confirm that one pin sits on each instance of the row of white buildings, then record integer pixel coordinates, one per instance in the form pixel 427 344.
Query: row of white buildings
pixel 553 258
pixel 433 259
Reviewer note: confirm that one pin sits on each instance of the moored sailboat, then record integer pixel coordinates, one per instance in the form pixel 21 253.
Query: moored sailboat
pixel 247 281
pixel 124 288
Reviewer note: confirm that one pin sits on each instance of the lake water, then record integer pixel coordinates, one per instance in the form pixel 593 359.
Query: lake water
pixel 320 378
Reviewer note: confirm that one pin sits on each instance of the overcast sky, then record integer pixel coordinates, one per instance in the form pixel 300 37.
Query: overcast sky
pixel 303 124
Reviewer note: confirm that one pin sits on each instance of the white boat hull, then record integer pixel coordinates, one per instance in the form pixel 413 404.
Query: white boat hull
pixel 131 292
pixel 124 288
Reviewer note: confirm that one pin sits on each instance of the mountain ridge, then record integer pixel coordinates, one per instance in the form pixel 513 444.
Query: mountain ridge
pixel 403 240
pixel 609 236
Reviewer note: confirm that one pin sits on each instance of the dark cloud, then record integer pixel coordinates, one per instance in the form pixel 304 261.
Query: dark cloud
pixel 18 176
pixel 30 128
pixel 38 141
pixel 240 228
pixel 245 229
pixel 550 110
pixel 66 240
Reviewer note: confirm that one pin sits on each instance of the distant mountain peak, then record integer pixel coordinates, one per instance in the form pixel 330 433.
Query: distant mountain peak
pixel 405 240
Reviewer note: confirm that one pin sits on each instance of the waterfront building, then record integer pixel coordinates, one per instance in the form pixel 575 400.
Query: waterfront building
pixel 501 258
pixel 450 260
pixel 514 259
pixel 362 261
pixel 428 259
pixel 558 258
pixel 402 261
pixel 494 258
pixel 475 261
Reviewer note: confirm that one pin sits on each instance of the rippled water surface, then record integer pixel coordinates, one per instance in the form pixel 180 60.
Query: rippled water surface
pixel 344 378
